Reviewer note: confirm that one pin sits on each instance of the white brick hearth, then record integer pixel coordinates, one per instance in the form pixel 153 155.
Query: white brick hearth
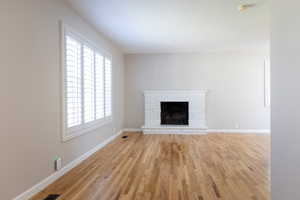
pixel 197 117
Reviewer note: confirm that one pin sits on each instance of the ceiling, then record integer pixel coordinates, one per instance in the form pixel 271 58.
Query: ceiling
pixel 169 26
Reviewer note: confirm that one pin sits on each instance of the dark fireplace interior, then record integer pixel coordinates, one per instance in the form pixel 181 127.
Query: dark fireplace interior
pixel 174 113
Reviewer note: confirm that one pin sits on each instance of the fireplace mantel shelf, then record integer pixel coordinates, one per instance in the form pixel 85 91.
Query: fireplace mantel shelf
pixel 159 92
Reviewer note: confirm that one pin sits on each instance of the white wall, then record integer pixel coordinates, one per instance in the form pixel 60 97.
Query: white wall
pixel 30 136
pixel 285 64
pixel 235 81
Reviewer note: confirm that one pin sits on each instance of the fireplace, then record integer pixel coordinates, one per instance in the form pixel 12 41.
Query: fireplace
pixel 174 113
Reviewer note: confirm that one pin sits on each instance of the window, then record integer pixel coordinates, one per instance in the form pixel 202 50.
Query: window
pixel 87 85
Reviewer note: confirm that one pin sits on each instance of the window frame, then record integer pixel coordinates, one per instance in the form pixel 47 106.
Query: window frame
pixel 83 128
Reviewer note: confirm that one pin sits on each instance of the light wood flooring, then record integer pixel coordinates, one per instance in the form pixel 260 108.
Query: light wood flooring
pixel 172 167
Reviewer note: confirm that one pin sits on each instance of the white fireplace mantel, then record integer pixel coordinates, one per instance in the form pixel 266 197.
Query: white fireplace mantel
pixel 197 116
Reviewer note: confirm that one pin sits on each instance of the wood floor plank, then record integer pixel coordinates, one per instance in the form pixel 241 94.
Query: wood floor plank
pixel 171 167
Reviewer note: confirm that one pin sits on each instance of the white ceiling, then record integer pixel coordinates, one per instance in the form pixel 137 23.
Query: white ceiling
pixel 165 26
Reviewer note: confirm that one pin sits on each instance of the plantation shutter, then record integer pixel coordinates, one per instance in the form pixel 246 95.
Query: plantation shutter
pixel 108 88
pixel 73 82
pixel 89 82
pixel 99 86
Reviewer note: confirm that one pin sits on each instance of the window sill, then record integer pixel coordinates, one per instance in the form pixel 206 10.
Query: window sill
pixel 85 129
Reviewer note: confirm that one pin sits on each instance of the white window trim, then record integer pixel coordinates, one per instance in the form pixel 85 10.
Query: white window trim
pixel 70 133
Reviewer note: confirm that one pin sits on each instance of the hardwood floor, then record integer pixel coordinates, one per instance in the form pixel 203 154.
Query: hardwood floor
pixel 172 167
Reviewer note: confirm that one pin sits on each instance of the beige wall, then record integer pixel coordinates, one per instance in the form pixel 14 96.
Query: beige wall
pixel 285 64
pixel 235 81
pixel 30 136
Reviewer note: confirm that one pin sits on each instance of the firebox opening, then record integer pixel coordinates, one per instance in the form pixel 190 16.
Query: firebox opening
pixel 174 113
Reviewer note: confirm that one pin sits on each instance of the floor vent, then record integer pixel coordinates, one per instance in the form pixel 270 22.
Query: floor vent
pixel 52 197
pixel 125 136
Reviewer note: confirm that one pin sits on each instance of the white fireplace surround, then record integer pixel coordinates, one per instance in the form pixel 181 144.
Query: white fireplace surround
pixel 197 116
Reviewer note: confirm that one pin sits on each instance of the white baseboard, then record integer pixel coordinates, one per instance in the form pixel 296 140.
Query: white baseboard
pixel 254 131
pixel 50 179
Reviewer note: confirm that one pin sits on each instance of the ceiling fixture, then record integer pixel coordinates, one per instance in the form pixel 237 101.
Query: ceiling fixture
pixel 244 7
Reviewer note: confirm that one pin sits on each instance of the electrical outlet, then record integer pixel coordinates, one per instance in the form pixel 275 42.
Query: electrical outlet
pixel 237 126
pixel 57 164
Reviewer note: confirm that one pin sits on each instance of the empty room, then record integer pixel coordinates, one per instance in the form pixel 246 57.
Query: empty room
pixel 149 100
